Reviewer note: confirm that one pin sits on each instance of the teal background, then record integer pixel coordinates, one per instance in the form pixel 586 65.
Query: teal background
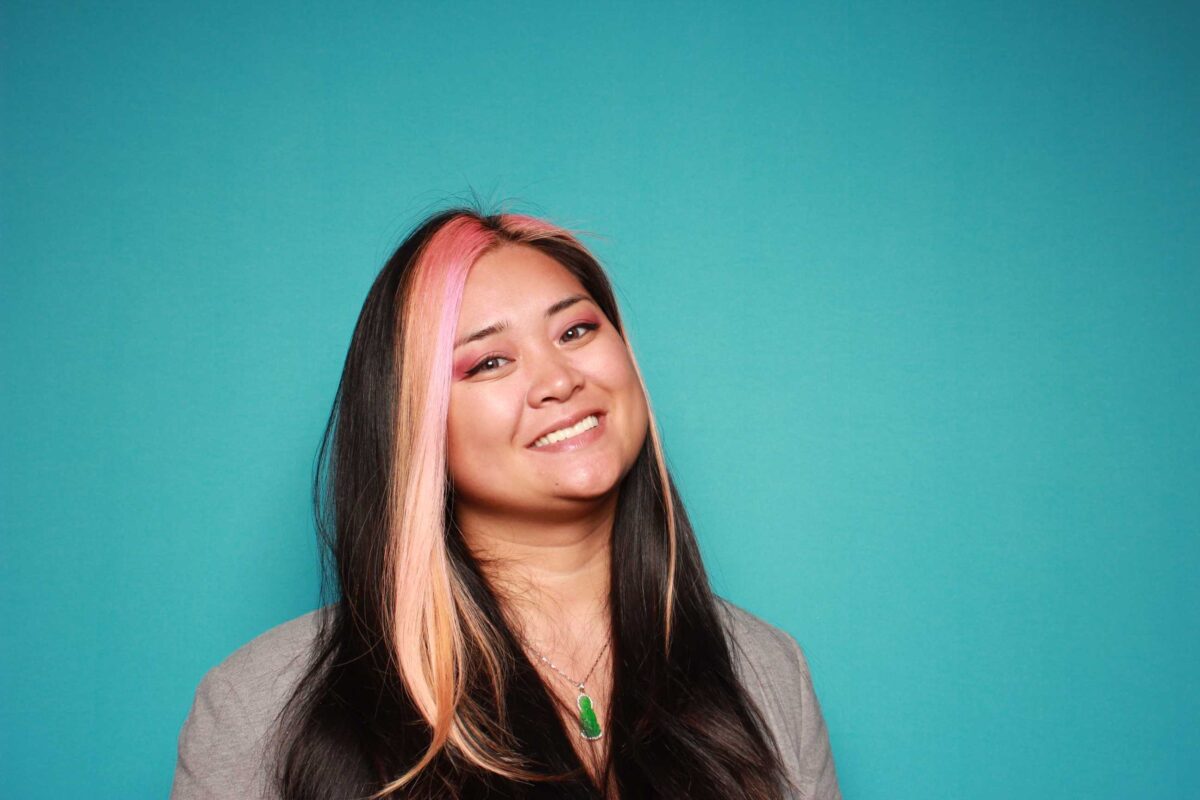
pixel 915 287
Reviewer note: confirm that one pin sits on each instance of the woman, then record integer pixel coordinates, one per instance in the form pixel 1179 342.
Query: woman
pixel 519 607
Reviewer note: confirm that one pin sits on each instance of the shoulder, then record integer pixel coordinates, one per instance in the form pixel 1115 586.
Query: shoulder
pixel 775 673
pixel 763 648
pixel 770 664
pixel 271 663
pixel 225 740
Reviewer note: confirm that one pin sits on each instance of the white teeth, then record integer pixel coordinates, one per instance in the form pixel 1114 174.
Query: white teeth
pixel 585 424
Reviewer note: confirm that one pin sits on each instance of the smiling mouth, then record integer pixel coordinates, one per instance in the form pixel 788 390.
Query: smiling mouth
pixel 584 425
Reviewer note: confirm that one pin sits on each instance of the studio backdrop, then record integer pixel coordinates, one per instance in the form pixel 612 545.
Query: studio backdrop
pixel 915 287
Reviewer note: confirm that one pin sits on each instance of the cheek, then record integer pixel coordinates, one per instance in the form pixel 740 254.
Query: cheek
pixel 461 435
pixel 612 365
pixel 478 421
pixel 622 379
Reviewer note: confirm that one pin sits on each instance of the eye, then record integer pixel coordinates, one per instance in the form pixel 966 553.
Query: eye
pixel 586 326
pixel 482 366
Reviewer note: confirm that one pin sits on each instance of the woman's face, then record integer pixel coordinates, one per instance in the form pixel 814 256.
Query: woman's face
pixel 546 361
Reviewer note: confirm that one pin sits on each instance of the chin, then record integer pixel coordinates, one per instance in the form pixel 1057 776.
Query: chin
pixel 583 495
pixel 587 484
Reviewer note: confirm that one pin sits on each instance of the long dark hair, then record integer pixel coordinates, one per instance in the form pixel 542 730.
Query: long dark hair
pixel 417 686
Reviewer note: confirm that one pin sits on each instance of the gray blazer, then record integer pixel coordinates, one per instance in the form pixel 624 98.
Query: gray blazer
pixel 223 745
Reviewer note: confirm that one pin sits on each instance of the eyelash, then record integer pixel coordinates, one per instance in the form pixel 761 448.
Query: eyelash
pixel 587 326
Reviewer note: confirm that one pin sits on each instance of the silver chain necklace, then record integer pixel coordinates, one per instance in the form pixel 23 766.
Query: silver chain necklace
pixel 589 726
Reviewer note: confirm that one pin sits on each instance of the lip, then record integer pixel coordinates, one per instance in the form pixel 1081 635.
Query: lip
pixel 574 441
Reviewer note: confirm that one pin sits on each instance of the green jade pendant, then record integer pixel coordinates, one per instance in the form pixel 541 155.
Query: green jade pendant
pixel 589 726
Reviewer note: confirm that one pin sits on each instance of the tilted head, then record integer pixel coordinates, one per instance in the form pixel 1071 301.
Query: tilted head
pixel 546 413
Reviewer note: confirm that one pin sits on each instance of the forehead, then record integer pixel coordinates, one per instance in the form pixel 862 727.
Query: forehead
pixel 512 281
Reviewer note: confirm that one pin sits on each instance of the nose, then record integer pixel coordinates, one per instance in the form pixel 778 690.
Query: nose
pixel 555 379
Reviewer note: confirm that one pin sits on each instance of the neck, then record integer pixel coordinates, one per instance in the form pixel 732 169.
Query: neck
pixel 552 574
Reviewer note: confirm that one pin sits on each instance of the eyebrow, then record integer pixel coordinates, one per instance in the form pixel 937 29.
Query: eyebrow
pixel 497 327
